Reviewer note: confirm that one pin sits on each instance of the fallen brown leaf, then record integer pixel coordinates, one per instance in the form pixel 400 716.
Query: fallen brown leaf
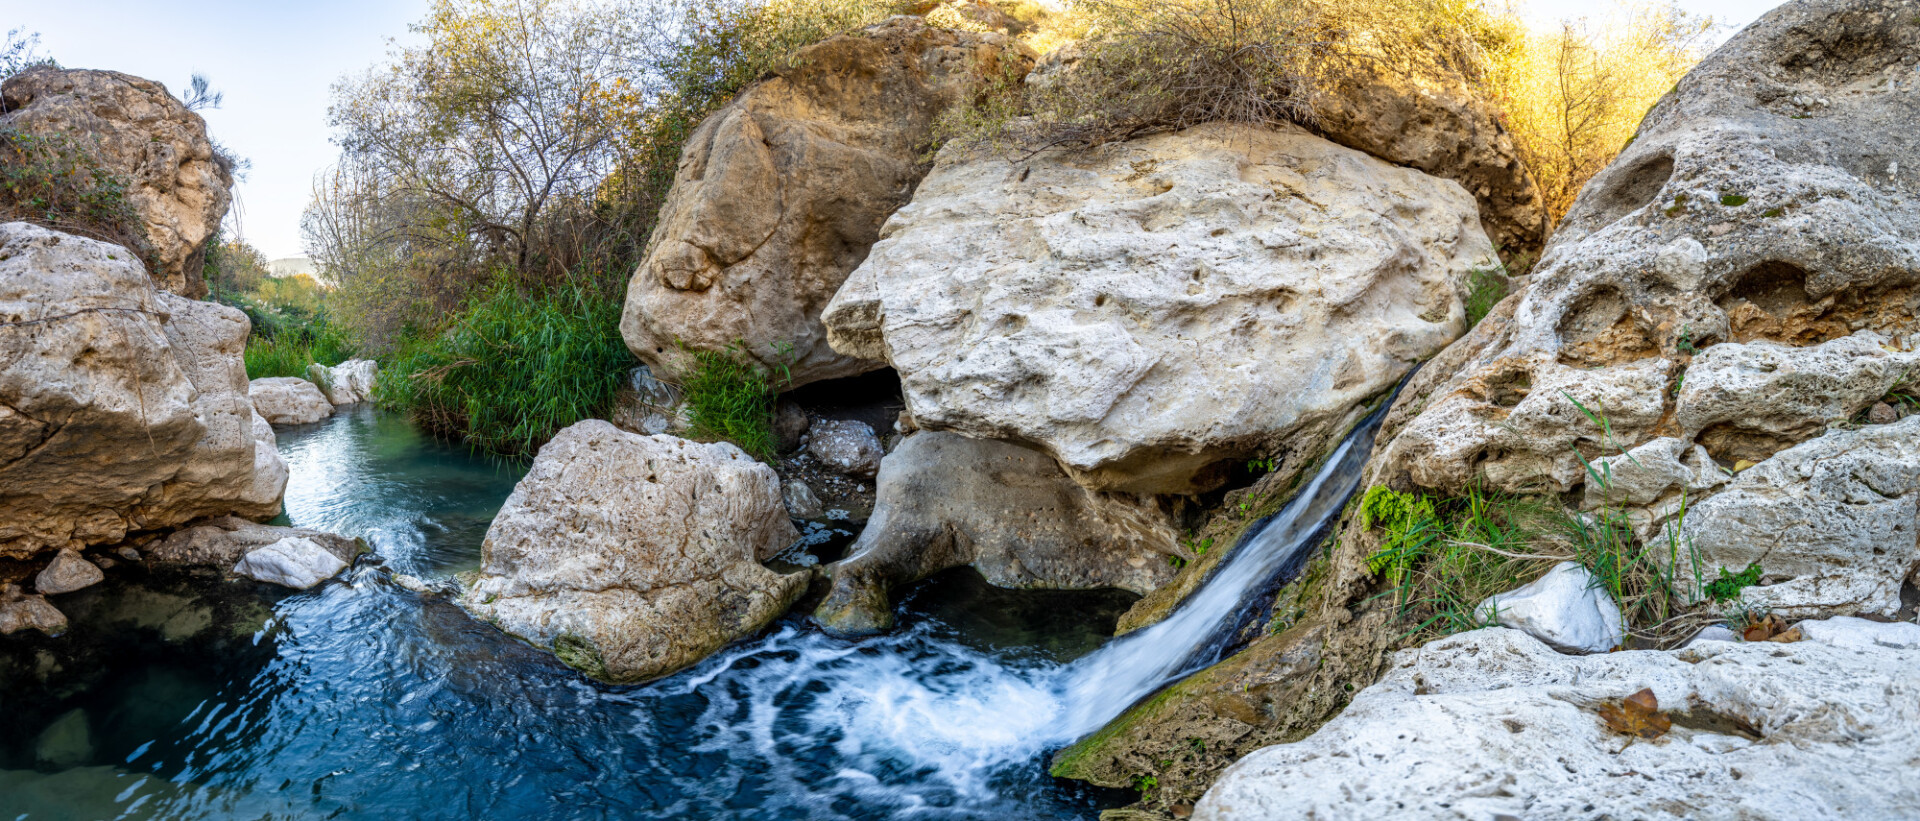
pixel 1636 715
pixel 1787 637
pixel 1764 629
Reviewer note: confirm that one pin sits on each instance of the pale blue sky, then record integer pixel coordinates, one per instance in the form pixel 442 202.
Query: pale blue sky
pixel 276 59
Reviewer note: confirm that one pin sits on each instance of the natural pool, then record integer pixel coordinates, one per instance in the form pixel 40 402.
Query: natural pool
pixel 193 697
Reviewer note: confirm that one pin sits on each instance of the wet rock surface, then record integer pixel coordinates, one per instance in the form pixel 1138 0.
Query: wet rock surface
pixel 634 556
pixel 1008 511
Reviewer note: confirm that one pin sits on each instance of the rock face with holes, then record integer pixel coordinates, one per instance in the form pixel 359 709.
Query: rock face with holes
pixel 1834 523
pixel 779 195
pixel 1150 310
pixel 178 186
pixel 1006 510
pixel 1766 207
pixel 1492 724
pixel 122 408
pixel 633 556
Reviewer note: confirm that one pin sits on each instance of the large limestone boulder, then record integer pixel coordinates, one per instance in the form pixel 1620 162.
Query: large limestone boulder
pixel 1009 511
pixel 1149 310
pixel 175 182
pixel 1834 523
pixel 634 556
pixel 1766 202
pixel 288 400
pixel 122 408
pixel 1493 724
pixel 779 195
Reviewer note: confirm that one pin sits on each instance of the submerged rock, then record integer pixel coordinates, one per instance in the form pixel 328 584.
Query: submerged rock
pixel 779 194
pixel 1150 310
pixel 845 447
pixel 1008 511
pixel 20 611
pixel 347 383
pixel 122 408
pixel 634 556
pixel 1493 723
pixel 176 182
pixel 289 400
pixel 293 561
pixel 1567 609
pixel 222 542
pixel 69 571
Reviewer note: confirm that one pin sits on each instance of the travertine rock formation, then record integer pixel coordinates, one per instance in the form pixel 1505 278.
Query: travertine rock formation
pixel 176 183
pixel 780 193
pixel 1007 510
pixel 122 408
pixel 1492 723
pixel 633 556
pixel 1149 310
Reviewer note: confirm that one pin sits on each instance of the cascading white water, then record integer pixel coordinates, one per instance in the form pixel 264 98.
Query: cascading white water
pixel 1102 685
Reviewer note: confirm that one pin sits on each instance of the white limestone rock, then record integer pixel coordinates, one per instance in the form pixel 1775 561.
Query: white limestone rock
pixel 296 562
pixel 1767 198
pixel 1492 724
pixel 122 408
pixel 1149 310
pixel 1832 523
pixel 347 383
pixel 289 400
pixel 1567 609
pixel 634 556
pixel 1847 631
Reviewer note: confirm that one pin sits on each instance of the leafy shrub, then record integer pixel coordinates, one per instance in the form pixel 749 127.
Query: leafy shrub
pixel 729 399
pixel 1163 65
pixel 511 368
pixel 59 182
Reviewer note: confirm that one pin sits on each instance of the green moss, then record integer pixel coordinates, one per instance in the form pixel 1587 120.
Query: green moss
pixel 1732 200
pixel 578 652
pixel 1773 212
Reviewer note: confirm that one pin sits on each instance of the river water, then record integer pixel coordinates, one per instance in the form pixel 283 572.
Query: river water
pixel 190 696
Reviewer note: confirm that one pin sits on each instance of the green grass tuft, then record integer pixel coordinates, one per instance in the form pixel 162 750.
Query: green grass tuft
pixel 1486 286
pixel 511 369
pixel 729 399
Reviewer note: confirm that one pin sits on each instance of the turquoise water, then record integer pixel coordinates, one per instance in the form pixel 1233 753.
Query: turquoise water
pixel 192 696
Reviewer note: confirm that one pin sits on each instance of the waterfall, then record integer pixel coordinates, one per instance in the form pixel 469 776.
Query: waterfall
pixel 1102 685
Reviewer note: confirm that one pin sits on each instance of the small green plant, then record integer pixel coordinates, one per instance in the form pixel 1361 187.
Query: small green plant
pixel 1678 207
pixel 59 182
pixel 1773 212
pixel 1486 286
pixel 1684 343
pixel 1729 585
pixel 1145 785
pixel 728 399
pixel 1260 467
pixel 1732 200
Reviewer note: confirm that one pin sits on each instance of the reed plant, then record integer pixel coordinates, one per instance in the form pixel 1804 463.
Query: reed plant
pixel 511 368
pixel 730 399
